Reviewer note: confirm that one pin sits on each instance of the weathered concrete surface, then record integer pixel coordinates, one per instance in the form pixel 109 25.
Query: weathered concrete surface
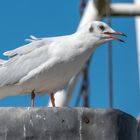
pixel 66 124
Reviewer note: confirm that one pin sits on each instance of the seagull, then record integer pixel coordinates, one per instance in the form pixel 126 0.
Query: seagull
pixel 45 65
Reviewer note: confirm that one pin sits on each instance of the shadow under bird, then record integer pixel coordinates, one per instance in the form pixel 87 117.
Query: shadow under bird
pixel 47 64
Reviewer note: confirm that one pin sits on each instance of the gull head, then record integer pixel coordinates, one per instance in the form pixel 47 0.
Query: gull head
pixel 99 32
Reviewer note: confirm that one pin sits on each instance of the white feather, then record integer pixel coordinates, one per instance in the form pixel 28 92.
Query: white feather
pixel 46 64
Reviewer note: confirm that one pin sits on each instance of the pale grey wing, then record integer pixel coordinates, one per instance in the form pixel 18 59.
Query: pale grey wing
pixel 27 58
pixel 27 48
pixel 34 43
pixel 17 67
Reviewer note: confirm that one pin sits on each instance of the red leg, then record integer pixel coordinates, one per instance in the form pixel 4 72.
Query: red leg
pixel 32 98
pixel 52 99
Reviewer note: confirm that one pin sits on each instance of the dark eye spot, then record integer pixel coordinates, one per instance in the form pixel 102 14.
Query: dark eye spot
pixel 91 29
pixel 102 27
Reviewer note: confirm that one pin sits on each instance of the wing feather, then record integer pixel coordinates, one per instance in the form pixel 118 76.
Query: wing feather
pixel 27 61
pixel 15 68
pixel 27 48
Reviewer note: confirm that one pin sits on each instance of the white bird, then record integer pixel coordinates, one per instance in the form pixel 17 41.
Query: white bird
pixel 47 64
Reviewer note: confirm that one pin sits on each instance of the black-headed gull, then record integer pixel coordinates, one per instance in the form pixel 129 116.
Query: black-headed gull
pixel 47 64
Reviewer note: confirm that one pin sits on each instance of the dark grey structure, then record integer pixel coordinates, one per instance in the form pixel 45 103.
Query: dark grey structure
pixel 67 124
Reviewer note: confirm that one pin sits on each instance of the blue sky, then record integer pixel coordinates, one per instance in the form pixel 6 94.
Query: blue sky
pixel 42 18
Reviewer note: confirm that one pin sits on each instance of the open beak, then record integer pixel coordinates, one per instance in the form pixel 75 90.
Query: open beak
pixel 115 33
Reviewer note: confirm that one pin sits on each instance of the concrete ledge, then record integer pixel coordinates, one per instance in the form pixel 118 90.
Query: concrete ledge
pixel 67 124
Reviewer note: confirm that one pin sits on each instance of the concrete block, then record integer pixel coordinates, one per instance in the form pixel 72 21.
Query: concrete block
pixel 67 124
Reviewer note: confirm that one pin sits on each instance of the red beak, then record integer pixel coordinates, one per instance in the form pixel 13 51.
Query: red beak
pixel 115 33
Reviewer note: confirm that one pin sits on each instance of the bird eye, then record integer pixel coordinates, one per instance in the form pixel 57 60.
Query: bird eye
pixel 91 29
pixel 102 27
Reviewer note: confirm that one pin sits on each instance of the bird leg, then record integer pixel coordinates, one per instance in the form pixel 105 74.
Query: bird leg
pixel 32 98
pixel 52 99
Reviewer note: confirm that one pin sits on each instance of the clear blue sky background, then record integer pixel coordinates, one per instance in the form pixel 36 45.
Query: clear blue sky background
pixel 19 19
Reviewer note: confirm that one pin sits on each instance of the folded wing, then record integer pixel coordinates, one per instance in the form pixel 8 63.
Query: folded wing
pixel 26 61
pixel 27 48
pixel 23 60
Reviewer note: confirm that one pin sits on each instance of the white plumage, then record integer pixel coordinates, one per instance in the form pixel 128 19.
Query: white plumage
pixel 47 64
